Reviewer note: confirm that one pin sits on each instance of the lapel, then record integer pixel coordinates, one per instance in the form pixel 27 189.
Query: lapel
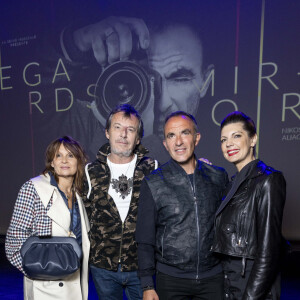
pixel 252 171
pixel 228 197
pixel 43 188
pixel 58 211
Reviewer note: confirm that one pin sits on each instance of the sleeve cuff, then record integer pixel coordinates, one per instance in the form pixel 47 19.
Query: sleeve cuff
pixel 147 281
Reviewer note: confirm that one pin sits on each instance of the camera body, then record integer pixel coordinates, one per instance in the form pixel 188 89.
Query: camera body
pixel 128 82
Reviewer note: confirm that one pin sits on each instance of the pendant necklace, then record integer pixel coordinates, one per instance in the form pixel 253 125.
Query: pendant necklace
pixel 122 185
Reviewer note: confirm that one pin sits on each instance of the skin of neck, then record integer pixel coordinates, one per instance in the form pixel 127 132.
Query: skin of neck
pixel 120 159
pixel 242 164
pixel 65 184
pixel 189 166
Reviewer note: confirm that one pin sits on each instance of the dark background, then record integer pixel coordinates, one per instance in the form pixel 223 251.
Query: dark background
pixel 258 37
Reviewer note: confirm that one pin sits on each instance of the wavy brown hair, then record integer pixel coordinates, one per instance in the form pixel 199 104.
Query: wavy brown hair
pixel 74 147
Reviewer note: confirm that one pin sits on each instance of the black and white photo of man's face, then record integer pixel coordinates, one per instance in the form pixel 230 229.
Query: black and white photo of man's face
pixel 176 54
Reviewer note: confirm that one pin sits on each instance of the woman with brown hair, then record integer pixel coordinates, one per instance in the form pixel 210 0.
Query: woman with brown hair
pixel 50 205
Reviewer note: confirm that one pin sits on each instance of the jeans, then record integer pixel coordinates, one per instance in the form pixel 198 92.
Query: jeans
pixel 110 284
pixel 174 288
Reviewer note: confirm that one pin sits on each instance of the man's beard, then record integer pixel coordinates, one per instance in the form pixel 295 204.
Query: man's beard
pixel 126 153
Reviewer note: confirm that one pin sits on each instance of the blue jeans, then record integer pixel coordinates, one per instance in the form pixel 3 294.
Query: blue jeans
pixel 110 284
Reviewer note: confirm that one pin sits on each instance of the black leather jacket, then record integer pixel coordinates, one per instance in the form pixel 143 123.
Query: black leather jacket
pixel 248 225
pixel 184 225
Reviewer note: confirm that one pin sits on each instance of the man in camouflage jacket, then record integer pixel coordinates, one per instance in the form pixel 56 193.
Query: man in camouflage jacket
pixel 113 253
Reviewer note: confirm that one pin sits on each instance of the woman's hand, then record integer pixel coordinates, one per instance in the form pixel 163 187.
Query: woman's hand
pixel 205 160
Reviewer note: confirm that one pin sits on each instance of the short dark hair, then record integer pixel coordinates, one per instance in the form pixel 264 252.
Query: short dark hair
pixel 128 110
pixel 74 147
pixel 240 117
pixel 182 113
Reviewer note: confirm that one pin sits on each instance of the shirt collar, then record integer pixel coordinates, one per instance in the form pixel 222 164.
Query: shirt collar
pixel 52 180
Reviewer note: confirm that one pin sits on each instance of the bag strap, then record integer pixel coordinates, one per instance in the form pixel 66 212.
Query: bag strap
pixel 72 212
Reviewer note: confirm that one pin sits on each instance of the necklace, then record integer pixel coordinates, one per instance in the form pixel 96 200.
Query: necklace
pixel 122 185
pixel 69 196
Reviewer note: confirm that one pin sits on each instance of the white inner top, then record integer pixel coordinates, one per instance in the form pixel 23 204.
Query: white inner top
pixel 120 187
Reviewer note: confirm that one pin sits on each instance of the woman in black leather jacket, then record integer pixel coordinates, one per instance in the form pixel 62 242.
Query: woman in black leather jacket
pixel 248 222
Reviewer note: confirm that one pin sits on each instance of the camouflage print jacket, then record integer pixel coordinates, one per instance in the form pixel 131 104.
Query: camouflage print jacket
pixel 113 242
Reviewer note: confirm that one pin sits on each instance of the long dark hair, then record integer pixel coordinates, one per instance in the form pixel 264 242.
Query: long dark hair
pixel 74 147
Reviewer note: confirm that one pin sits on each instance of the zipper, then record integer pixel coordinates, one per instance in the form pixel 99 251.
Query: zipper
pixel 242 229
pixel 197 223
pixel 121 244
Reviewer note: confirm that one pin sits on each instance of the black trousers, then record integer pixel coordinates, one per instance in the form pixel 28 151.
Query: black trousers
pixel 174 288
pixel 235 284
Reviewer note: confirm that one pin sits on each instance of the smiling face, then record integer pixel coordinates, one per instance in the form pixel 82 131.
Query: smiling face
pixel 181 140
pixel 123 136
pixel 64 163
pixel 236 145
pixel 179 63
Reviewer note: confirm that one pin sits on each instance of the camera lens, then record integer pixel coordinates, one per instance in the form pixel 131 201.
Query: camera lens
pixel 123 86
pixel 120 83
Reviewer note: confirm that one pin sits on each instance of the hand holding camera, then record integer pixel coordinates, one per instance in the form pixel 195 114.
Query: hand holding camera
pixel 112 39
pixel 118 44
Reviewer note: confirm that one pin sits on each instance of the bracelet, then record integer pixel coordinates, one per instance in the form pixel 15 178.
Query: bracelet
pixel 148 288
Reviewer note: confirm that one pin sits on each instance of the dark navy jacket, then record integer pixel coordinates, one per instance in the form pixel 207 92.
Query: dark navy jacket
pixel 177 220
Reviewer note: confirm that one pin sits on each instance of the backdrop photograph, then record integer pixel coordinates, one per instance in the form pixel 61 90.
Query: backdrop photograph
pixel 64 65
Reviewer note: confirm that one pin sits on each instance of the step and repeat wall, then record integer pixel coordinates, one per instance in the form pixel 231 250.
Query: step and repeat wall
pixel 64 65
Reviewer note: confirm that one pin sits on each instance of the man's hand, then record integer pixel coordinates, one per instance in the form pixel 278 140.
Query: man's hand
pixel 112 39
pixel 150 295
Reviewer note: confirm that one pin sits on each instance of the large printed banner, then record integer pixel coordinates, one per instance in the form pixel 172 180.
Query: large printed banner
pixel 64 65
